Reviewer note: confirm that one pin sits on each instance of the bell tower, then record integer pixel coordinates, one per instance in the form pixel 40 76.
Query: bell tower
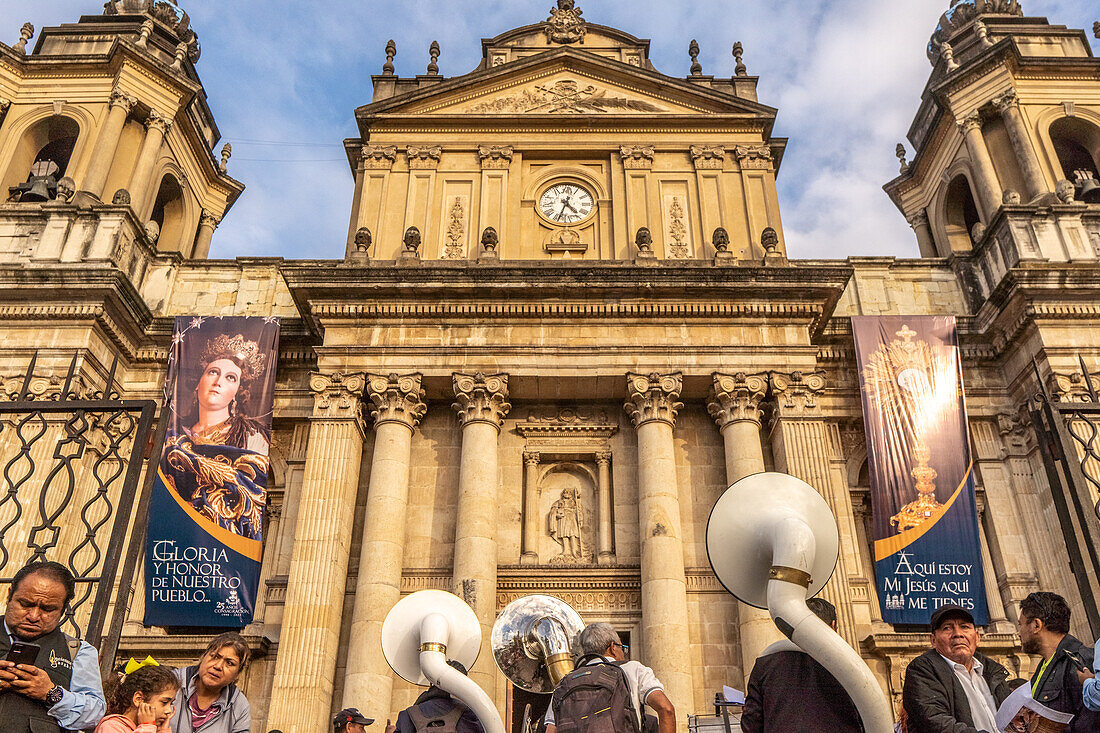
pixel 1006 145
pixel 104 128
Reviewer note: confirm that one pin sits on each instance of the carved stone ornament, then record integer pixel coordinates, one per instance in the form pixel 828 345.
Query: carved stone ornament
pixel 391 51
pixel 739 68
pixel 495 156
pixel 481 397
pixel 411 240
pixel 918 219
pixel 565 96
pixel 960 14
pixel 1006 101
pixel 1065 191
pixel 1010 197
pixel 720 239
pixel 378 157
pixel 433 54
pixel 121 197
pixel 899 153
pixel 737 398
pixel 423 157
pixel 454 246
pixel 969 123
pixel 166 12
pixel 565 239
pixel 26 33
pixel 362 239
pixel 644 240
pixel 396 398
pixel 565 522
pixel 337 396
pixel 66 188
pixel 754 157
pixel 796 393
pixel 693 54
pixel 678 246
pixel 769 240
pixel 152 230
pixel 226 154
pixel 708 157
pixel 653 397
pixel 565 24
pixel 490 239
pixel 121 99
pixel 208 219
pixel 1070 387
pixel 636 157
pixel 157 121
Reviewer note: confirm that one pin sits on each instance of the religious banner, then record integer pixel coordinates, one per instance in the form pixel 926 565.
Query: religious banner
pixel 926 544
pixel 205 532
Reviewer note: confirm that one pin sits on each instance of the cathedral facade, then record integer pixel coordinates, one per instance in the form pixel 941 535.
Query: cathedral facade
pixel 564 324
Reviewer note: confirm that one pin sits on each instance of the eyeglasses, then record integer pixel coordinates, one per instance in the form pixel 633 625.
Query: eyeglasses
pixel 624 647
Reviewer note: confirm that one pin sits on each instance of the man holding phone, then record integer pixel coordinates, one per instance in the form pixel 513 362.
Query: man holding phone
pixel 59 688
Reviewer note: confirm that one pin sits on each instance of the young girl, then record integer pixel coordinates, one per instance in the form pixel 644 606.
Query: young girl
pixel 141 702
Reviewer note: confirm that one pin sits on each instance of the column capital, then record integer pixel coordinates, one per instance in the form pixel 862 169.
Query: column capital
pixel 423 157
pixel 969 123
pixel 337 396
pixel 378 157
pixel 796 393
pixel 653 397
pixel 603 457
pixel 531 458
pixel 481 397
pixel 121 99
pixel 1006 101
pixel 636 157
pixel 396 398
pixel 208 219
pixel 157 121
pixel 495 156
pixel 917 219
pixel 736 398
pixel 707 156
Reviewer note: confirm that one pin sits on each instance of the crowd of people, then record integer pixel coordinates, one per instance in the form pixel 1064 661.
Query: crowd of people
pixel 50 681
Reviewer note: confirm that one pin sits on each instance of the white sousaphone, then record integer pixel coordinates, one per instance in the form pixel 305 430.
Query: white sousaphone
pixel 425 629
pixel 773 543
pixel 532 641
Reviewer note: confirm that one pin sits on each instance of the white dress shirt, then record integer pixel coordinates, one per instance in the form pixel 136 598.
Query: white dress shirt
pixel 639 678
pixel 983 708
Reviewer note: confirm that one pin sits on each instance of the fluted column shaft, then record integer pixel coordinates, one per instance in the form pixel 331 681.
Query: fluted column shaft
pixel 301 694
pixel 606 553
pixel 397 405
pixel 735 407
pixel 481 402
pixel 207 224
pixel 1009 107
pixel 156 127
pixel 530 508
pixel 652 403
pixel 106 145
pixel 985 175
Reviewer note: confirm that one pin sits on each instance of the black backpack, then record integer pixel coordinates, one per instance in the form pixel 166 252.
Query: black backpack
pixel 594 698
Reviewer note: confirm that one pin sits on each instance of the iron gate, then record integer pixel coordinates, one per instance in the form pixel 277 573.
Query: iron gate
pixel 1069 440
pixel 70 461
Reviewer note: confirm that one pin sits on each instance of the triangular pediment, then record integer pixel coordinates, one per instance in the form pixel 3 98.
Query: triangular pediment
pixel 565 81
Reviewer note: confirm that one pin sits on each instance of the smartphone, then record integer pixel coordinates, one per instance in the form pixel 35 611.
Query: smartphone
pixel 23 653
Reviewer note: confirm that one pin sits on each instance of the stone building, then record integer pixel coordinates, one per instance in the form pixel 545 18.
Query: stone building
pixel 563 231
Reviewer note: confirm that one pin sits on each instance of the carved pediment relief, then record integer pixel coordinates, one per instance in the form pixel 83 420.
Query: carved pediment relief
pixel 564 96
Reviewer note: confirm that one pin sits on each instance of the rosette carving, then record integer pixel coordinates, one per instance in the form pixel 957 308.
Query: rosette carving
pixel 481 397
pixel 396 398
pixel 653 397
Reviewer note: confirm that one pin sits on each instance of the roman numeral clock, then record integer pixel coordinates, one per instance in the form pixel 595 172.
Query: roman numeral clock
pixel 566 204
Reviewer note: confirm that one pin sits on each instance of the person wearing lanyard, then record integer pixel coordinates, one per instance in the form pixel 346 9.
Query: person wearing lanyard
pixel 1044 630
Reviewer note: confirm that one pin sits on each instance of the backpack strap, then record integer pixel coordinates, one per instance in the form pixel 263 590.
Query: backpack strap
pixel 449 719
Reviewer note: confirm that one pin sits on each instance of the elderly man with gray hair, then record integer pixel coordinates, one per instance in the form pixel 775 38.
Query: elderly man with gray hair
pixel 606 692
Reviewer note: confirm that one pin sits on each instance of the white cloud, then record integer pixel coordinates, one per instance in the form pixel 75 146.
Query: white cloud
pixel 846 76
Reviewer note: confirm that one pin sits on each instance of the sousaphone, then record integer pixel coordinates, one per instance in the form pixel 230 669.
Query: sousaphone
pixel 532 642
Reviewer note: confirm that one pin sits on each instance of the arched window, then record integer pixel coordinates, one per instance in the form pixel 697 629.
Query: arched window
pixel 168 213
pixel 1077 145
pixel 50 140
pixel 960 214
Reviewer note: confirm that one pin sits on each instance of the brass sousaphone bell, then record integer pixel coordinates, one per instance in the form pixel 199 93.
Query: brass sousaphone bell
pixel 532 641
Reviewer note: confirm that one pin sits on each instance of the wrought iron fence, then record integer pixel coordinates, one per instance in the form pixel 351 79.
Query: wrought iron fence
pixel 1069 432
pixel 70 460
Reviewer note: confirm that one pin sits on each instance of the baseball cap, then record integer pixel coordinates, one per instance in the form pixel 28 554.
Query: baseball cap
pixel 350 715
pixel 949 610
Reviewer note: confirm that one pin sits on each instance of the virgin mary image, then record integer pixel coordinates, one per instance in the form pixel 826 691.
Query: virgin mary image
pixel 216 451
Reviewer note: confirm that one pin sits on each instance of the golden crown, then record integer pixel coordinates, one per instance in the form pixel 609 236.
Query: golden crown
pixel 240 350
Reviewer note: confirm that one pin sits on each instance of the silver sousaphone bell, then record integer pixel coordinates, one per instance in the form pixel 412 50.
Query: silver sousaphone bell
pixel 532 642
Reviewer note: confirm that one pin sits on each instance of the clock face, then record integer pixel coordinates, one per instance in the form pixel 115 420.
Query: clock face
pixel 566 203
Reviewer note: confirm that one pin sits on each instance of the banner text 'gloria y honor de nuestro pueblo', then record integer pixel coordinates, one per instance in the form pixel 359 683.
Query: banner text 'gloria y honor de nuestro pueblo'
pixel 926 544
pixel 205 532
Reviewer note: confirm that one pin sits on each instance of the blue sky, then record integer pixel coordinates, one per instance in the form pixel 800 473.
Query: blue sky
pixel 283 79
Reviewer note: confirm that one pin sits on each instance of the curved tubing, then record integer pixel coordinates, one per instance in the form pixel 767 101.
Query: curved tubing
pixel 434 628
pixel 794 547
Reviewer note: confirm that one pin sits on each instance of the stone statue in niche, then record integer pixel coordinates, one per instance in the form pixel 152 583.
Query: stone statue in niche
pixel 565 526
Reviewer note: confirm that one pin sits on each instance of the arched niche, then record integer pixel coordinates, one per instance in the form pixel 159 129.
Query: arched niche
pixel 567 503
pixel 169 213
pixel 51 138
pixel 1077 144
pixel 959 214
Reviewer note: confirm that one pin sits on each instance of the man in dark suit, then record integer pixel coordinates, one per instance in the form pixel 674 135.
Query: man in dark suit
pixel 952 688
pixel 789 691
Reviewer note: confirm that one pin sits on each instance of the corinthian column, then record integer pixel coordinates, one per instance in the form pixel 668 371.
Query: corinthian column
pixel 107 143
pixel 481 401
pixel 1009 107
pixel 207 224
pixel 530 508
pixel 397 404
pixel 301 694
pixel 801 446
pixel 156 127
pixel 603 463
pixel 735 407
pixel 652 403
pixel 985 175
